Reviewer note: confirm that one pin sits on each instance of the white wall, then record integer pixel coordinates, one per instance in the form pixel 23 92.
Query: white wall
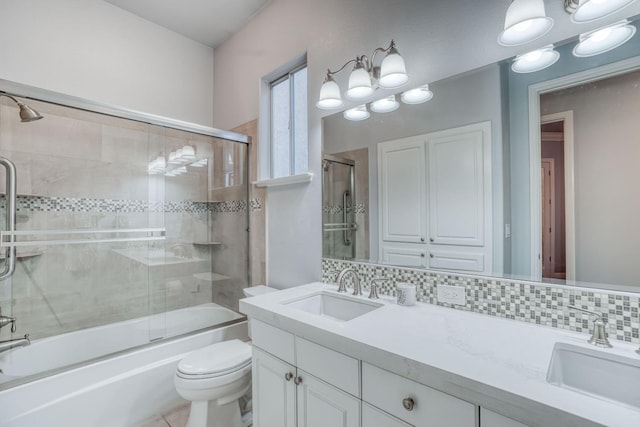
pixel 438 38
pixel 94 50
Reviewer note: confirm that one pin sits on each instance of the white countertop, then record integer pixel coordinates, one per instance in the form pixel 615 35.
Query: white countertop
pixel 497 363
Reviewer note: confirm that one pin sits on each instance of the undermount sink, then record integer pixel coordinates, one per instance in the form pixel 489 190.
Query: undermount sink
pixel 596 372
pixel 333 306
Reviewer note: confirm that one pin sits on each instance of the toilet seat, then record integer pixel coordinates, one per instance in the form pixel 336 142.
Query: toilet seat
pixel 216 361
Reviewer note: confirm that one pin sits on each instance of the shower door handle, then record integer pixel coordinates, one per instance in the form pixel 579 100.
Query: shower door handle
pixel 345 217
pixel 10 216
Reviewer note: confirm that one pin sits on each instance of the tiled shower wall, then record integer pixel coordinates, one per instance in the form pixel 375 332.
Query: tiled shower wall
pixel 531 302
pixel 79 171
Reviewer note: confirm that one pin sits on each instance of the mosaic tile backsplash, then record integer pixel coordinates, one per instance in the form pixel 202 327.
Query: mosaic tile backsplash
pixel 537 303
pixel 69 204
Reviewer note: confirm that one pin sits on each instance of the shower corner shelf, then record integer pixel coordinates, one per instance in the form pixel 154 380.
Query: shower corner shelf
pixel 211 277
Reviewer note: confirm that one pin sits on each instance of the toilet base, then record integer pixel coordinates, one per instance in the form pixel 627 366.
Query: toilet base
pixel 210 414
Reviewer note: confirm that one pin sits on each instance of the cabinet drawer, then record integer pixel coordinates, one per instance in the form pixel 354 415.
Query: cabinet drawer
pixel 374 417
pixel 335 368
pixel 491 419
pixel 431 407
pixel 273 340
pixel 459 261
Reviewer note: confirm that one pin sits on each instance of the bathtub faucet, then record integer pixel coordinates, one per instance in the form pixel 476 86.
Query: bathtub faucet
pixel 9 344
pixel 6 320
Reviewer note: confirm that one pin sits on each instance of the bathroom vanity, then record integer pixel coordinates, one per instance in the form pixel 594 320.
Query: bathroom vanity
pixel 322 358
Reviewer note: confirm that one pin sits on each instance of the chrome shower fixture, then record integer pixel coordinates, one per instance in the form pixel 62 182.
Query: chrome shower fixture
pixel 27 114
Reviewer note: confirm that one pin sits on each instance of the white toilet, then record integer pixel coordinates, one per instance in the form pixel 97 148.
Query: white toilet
pixel 213 379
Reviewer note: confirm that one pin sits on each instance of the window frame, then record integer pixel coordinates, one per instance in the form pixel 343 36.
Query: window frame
pixel 266 160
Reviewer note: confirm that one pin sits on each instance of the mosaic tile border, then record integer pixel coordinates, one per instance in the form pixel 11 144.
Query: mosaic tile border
pixel 70 204
pixel 536 303
pixel 358 208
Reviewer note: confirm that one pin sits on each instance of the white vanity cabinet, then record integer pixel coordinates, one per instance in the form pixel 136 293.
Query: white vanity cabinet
pixel 312 388
pixel 434 193
pixel 299 383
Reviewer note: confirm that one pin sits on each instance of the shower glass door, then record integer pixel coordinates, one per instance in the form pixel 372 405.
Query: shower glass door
pixel 121 225
pixel 338 208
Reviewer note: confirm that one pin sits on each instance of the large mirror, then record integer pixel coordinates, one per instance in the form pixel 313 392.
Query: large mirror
pixel 553 190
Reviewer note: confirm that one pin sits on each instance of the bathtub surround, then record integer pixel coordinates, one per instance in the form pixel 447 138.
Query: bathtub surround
pixel 531 302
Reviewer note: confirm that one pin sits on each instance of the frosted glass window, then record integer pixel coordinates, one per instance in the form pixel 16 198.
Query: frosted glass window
pixel 289 141
pixel 280 132
pixel 300 140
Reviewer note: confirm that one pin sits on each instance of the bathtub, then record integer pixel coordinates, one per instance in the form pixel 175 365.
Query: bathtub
pixel 86 344
pixel 119 390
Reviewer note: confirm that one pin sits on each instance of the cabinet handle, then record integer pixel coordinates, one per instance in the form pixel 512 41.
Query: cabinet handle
pixel 408 403
pixel 288 376
pixel 297 380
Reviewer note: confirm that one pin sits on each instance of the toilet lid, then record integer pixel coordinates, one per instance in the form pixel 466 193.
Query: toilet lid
pixel 217 359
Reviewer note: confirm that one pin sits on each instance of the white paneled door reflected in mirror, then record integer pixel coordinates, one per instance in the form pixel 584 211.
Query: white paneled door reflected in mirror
pixel 560 172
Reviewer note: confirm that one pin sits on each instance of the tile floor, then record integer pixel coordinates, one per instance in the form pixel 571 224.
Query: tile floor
pixel 176 418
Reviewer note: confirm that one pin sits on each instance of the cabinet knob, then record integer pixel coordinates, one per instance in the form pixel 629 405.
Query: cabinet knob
pixel 297 380
pixel 408 403
pixel 422 239
pixel 288 376
pixel 422 255
pixel 431 239
pixel 430 255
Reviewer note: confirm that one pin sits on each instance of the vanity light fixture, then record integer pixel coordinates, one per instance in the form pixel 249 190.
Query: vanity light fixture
pixel 526 20
pixel 417 96
pixel 604 39
pixel 590 10
pixel 365 77
pixel 385 105
pixel 357 114
pixel 536 60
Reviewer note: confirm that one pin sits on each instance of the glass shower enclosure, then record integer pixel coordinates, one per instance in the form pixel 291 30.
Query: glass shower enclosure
pixel 120 219
pixel 338 208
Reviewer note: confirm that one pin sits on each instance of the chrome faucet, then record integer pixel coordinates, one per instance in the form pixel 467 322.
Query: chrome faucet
pixel 342 287
pixel 6 320
pixel 9 344
pixel 373 293
pixel 599 335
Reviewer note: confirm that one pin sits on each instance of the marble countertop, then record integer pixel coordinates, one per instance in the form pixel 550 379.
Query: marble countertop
pixel 497 363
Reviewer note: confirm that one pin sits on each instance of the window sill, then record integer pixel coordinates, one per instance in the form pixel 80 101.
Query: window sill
pixel 285 180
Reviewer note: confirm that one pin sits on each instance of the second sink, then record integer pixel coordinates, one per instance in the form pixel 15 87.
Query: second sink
pixel 596 372
pixel 333 306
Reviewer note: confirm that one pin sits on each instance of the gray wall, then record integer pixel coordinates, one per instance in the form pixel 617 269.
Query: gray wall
pixel 519 137
pixel 464 100
pixel 606 174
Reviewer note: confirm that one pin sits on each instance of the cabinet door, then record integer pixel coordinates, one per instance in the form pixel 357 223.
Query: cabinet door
pixel 373 417
pixel 402 190
pixel 274 391
pixel 460 185
pixel 491 419
pixel 321 405
pixel 404 254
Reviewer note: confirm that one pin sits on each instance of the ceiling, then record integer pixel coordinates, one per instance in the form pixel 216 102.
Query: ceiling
pixel 207 21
